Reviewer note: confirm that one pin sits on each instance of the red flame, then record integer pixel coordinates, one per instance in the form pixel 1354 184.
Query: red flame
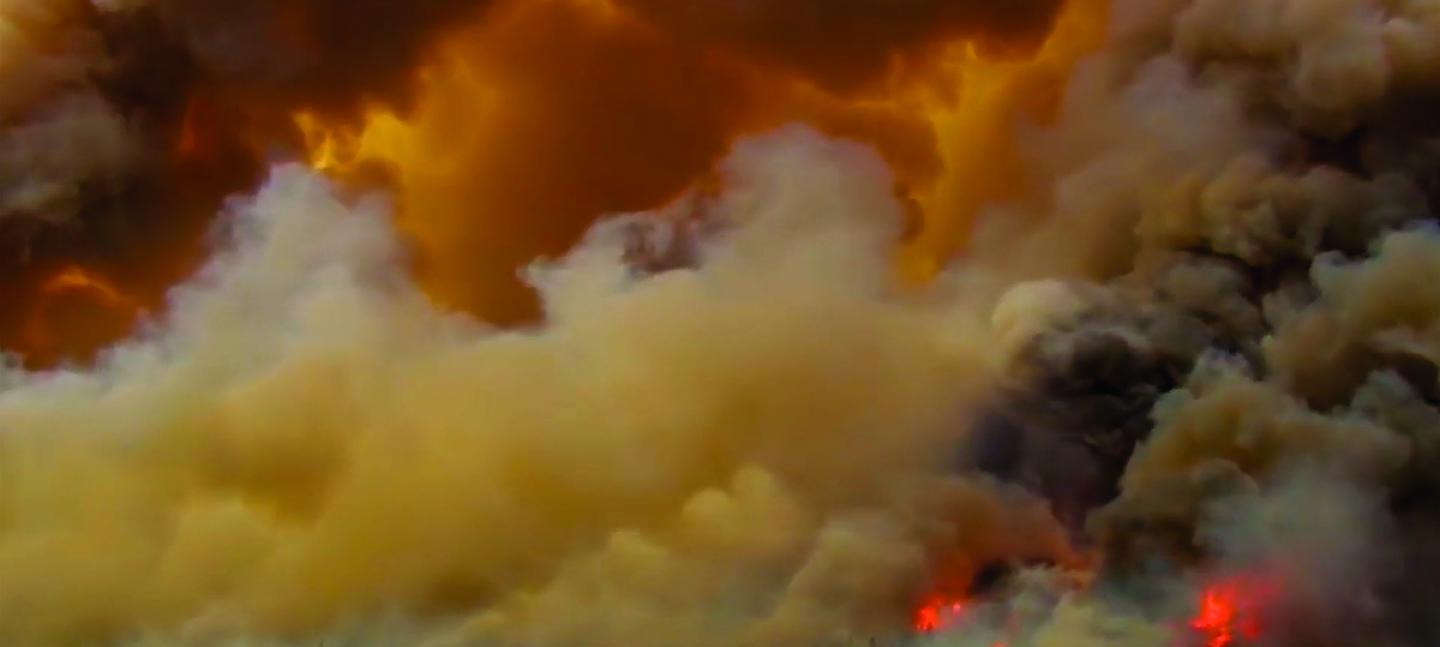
pixel 937 613
pixel 1233 607
pixel 1230 611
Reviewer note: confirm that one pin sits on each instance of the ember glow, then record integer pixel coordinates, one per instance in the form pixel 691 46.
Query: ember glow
pixel 703 323
pixel 941 614
pixel 938 613
pixel 1231 612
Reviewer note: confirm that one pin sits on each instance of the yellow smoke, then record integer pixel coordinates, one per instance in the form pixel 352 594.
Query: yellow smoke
pixel 375 417
pixel 720 456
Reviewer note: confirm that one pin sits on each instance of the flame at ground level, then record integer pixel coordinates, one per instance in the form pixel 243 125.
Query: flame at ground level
pixel 1233 608
pixel 1228 612
pixel 940 613
pixel 937 613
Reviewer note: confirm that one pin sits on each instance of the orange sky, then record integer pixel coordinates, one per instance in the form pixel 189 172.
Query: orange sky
pixel 505 128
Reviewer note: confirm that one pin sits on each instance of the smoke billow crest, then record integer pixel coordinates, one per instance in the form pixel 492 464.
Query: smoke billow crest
pixel 1183 390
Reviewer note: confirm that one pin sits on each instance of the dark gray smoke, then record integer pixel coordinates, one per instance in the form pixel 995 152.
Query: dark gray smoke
pixel 1254 386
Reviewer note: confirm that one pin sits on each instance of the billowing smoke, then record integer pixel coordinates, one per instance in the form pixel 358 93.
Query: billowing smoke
pixel 678 459
pixel 1241 196
pixel 1180 387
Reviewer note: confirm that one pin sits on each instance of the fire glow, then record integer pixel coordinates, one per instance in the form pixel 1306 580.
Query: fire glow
pixel 1230 612
pixel 78 311
pixel 78 279
pixel 467 115
pixel 939 613
pixel 1232 609
pixel 776 323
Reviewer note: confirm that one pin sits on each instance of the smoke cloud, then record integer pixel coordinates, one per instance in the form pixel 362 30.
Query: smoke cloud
pixel 306 442
pixel 1180 387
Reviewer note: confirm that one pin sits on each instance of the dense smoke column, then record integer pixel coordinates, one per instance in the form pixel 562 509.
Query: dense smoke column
pixel 1071 423
pixel 1266 324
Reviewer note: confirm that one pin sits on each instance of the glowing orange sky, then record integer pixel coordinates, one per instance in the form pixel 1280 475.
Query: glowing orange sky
pixel 540 116
pixel 515 145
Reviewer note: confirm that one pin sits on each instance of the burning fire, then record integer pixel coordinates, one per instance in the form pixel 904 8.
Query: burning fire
pixel 938 613
pixel 1233 608
pixel 1190 213
pixel 1230 612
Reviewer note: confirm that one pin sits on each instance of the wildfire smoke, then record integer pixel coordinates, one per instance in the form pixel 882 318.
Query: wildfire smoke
pixel 1049 325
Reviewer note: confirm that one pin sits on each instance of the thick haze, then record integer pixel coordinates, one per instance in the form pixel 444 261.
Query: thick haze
pixel 1189 352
